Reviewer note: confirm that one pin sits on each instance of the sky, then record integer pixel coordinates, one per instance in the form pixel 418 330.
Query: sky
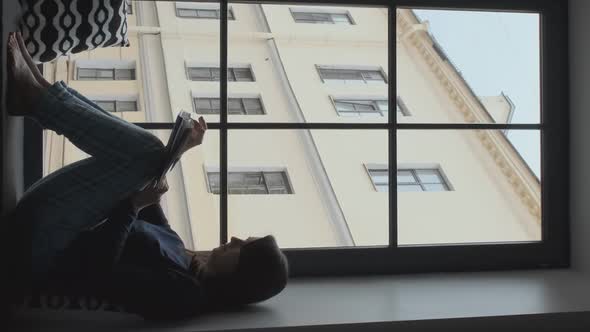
pixel 497 52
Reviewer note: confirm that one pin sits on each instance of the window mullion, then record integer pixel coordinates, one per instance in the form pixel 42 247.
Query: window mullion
pixel 392 122
pixel 223 77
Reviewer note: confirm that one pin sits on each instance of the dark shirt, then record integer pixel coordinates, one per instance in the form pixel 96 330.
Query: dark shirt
pixel 133 260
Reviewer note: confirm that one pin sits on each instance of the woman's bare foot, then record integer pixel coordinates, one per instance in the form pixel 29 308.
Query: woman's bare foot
pixel 32 66
pixel 23 88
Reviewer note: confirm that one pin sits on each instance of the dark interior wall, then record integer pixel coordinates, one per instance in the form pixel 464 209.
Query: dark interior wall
pixel 11 127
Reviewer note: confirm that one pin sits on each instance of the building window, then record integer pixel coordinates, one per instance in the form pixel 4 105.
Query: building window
pixel 129 6
pixel 234 74
pixel 301 16
pixel 117 105
pixel 204 13
pixel 249 106
pixel 419 179
pixel 367 107
pixel 100 74
pixel 351 75
pixel 252 183
pixel 346 107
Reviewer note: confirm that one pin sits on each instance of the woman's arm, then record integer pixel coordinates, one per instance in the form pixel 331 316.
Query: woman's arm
pixel 154 214
pixel 97 250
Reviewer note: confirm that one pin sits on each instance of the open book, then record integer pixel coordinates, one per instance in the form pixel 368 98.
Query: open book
pixel 180 134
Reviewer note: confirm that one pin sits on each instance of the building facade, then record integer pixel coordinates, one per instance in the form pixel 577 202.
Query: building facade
pixel 312 188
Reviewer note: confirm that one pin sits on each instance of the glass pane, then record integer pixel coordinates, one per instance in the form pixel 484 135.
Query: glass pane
pixel 428 176
pixel 275 179
pixel 380 177
pixel 187 12
pixel 405 177
pixel 471 67
pixel 234 106
pixel 193 212
pixel 200 74
pixel 317 64
pixel 252 104
pixel 108 106
pixel 317 197
pixel 340 18
pixel 488 191
pixel 383 188
pixel 126 106
pixel 104 74
pixel 124 74
pixel 203 105
pixel 409 187
pixel 214 182
pixel 344 107
pixel 373 75
pixel 86 73
pixel 383 105
pixel 207 13
pixel 243 74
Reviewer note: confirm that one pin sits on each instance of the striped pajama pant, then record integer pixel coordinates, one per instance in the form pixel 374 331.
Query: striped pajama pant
pixel 55 209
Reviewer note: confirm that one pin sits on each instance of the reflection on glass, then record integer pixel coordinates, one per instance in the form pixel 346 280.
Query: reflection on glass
pixel 469 66
pixel 467 186
pixel 302 187
pixel 310 63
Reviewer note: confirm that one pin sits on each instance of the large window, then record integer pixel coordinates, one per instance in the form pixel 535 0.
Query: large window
pixel 466 175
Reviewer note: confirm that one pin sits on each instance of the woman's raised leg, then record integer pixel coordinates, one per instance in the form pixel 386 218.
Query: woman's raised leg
pixel 55 108
pixel 77 197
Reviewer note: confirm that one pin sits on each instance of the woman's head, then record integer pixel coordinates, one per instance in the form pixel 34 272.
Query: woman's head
pixel 245 271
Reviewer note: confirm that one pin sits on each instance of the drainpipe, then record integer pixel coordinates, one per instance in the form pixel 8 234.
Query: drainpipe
pixel 151 64
pixel 320 174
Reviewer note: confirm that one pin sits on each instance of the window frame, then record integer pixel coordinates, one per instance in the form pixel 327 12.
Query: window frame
pixel 250 169
pixel 230 69
pixel 294 11
pixel 114 72
pixel 361 69
pixel 231 15
pixel 241 100
pixel 554 249
pixel 116 103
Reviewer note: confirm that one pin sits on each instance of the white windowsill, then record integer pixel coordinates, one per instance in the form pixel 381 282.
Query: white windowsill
pixel 366 300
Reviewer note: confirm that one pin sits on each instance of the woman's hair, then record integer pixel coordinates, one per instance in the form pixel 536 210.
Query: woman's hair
pixel 262 273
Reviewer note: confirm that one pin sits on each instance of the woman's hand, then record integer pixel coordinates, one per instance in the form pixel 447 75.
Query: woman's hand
pixel 149 195
pixel 196 136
